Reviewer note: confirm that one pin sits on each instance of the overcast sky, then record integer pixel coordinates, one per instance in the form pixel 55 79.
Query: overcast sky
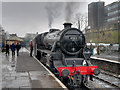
pixel 23 17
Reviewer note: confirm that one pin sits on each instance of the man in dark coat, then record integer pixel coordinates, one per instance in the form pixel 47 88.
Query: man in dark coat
pixel 13 49
pixel 91 49
pixel 7 49
pixel 18 46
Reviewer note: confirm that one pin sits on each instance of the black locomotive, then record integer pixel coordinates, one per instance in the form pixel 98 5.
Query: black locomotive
pixel 63 52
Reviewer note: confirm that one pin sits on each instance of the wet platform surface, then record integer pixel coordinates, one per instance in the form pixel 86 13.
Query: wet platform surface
pixel 109 57
pixel 24 71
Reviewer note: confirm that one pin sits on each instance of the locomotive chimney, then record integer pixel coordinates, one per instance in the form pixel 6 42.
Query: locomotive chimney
pixel 67 25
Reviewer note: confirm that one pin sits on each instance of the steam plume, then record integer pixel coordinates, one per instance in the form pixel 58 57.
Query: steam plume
pixel 53 11
pixel 70 9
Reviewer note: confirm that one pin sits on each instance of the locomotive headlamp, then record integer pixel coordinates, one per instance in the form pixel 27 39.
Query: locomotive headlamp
pixel 84 63
pixel 96 71
pixel 73 49
pixel 65 73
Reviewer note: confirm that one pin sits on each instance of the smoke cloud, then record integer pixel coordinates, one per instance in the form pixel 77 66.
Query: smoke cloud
pixel 70 9
pixel 53 11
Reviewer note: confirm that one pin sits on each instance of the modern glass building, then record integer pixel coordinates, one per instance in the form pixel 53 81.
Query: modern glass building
pixel 104 22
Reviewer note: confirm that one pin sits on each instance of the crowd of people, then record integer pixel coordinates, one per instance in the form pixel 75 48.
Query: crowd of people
pixel 91 48
pixel 16 47
pixel 13 48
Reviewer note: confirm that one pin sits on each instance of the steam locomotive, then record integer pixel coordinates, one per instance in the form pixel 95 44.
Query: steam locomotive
pixel 63 52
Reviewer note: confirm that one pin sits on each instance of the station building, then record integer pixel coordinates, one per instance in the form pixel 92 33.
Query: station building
pixel 14 39
pixel 104 22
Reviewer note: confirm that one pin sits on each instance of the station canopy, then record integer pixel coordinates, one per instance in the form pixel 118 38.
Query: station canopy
pixel 15 38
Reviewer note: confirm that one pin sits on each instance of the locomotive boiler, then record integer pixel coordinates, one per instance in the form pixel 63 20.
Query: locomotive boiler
pixel 63 52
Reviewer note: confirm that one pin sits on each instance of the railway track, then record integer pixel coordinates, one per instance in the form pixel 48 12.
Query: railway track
pixel 110 74
pixel 107 80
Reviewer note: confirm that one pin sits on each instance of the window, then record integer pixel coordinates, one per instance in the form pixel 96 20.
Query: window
pixel 112 19
pixel 114 12
pixel 113 6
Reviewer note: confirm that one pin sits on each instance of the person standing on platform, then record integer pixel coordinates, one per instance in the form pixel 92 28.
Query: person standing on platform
pixel 91 49
pixel 13 49
pixel 18 46
pixel 86 48
pixel 7 49
pixel 98 50
pixel 31 48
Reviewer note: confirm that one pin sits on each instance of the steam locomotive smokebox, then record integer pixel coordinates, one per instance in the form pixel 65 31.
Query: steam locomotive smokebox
pixel 67 25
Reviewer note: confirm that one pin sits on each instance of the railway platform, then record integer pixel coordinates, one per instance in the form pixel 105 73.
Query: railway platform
pixel 110 63
pixel 115 58
pixel 24 71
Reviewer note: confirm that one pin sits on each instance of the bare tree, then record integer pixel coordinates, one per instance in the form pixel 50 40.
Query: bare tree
pixel 80 20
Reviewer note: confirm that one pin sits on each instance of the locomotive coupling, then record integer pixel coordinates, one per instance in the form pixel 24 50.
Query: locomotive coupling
pixel 74 65
pixel 96 71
